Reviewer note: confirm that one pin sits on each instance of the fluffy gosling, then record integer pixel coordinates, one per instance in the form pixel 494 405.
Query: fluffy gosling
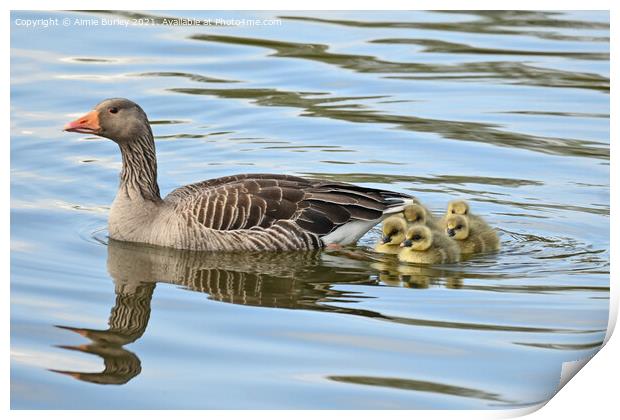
pixel 471 237
pixel 462 207
pixel 423 246
pixel 393 229
pixel 417 213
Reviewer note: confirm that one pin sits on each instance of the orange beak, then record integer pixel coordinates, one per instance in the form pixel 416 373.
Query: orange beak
pixel 88 124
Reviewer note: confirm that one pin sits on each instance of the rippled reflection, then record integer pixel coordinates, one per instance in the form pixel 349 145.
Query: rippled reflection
pixel 298 280
pixel 128 320
pixel 425 386
pixel 498 22
pixel 313 104
pixel 506 71
pixel 295 280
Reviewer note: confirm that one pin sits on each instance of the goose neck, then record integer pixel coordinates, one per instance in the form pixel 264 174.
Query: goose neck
pixel 139 173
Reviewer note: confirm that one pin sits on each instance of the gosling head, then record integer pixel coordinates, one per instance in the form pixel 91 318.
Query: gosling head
pixel 415 213
pixel 418 238
pixel 458 207
pixel 457 227
pixel 118 119
pixel 393 229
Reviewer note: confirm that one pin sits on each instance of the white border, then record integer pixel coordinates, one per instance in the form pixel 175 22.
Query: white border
pixel 592 394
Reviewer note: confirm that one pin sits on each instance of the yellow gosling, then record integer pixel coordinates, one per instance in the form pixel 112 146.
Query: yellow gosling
pixel 393 229
pixel 423 246
pixel 417 213
pixel 462 208
pixel 471 237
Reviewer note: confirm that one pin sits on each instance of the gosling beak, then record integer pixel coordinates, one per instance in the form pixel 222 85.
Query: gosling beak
pixel 386 239
pixel 406 242
pixel 450 232
pixel 87 124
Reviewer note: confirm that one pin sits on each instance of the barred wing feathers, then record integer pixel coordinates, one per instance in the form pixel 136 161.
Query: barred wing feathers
pixel 264 201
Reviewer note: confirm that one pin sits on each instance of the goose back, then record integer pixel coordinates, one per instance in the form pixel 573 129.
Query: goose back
pixel 259 212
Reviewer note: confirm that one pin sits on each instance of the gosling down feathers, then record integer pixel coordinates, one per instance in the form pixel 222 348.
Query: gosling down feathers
pixel 471 237
pixel 393 233
pixel 461 207
pixel 424 246
pixel 417 213
pixel 249 212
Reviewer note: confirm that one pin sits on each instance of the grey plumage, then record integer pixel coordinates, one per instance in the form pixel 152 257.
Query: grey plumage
pixel 249 212
pixel 257 212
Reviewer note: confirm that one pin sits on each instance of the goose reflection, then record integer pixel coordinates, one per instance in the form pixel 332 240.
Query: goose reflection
pixel 128 320
pixel 296 280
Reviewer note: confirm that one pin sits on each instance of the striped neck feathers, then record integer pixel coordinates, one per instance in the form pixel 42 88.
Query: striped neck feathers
pixel 139 173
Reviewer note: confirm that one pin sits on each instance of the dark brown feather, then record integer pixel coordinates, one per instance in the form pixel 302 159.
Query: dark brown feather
pixel 316 222
pixel 338 214
pixel 262 200
pixel 362 213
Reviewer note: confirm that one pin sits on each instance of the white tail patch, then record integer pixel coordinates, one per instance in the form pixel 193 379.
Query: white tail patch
pixel 351 232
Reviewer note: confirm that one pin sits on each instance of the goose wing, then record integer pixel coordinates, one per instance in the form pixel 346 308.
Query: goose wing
pixel 261 200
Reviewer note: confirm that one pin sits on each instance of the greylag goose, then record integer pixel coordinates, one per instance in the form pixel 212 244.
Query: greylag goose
pixel 249 212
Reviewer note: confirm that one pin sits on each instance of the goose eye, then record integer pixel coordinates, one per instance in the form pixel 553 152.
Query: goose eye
pixel 113 110
pixel 459 226
pixel 416 237
pixel 453 211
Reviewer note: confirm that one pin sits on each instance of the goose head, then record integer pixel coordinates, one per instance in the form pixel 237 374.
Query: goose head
pixel 457 227
pixel 393 230
pixel 418 238
pixel 415 213
pixel 117 119
pixel 458 207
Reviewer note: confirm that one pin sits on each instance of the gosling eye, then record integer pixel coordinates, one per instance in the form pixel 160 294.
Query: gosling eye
pixel 416 237
pixel 453 211
pixel 113 110
pixel 459 226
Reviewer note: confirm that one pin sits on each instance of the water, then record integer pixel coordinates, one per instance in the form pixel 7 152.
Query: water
pixel 509 110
